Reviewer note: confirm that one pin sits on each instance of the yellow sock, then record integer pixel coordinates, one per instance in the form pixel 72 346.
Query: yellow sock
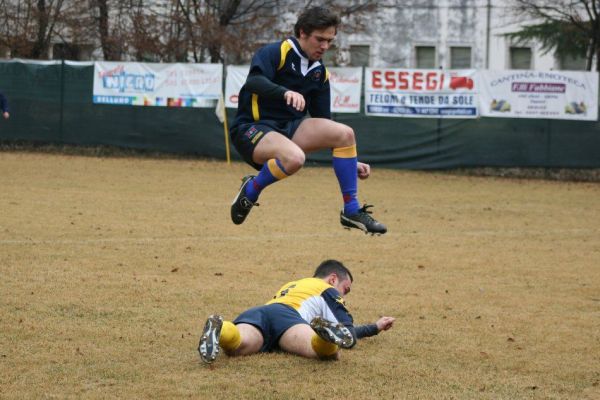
pixel 230 336
pixel 322 347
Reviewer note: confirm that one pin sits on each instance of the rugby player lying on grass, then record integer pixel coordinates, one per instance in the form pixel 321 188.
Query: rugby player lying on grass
pixel 306 317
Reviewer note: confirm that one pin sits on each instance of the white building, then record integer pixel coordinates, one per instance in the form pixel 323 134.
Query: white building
pixel 445 33
pixel 450 34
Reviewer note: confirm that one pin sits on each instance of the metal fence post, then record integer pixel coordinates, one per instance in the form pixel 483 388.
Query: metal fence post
pixel 62 98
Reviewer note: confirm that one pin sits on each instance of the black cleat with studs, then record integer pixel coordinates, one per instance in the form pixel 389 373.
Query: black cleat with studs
pixel 332 332
pixel 363 221
pixel 241 206
pixel 209 340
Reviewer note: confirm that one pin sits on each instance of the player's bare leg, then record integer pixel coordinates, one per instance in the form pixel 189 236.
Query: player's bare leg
pixel 251 341
pixel 302 340
pixel 235 340
pixel 280 158
pixel 319 133
pixel 275 145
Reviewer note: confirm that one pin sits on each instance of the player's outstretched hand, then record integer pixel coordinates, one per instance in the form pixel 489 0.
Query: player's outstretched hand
pixel 294 99
pixel 385 323
pixel 364 170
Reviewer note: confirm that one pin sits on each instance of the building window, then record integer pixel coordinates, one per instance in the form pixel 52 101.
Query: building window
pixel 425 57
pixel 569 63
pixel 520 58
pixel 359 55
pixel 460 57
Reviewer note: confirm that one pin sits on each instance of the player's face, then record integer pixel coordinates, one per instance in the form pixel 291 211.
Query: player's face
pixel 317 43
pixel 342 286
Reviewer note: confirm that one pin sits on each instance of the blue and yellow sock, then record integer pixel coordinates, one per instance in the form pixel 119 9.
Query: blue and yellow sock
pixel 344 165
pixel 271 172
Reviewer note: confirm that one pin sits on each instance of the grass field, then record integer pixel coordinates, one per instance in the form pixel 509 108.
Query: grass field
pixel 109 267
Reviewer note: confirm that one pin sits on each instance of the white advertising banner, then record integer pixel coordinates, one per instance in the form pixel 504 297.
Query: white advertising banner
pixel 236 77
pixel 539 94
pixel 345 86
pixel 150 84
pixel 396 92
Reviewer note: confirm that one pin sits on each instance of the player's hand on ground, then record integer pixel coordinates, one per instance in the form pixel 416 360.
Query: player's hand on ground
pixel 295 100
pixel 385 323
pixel 364 170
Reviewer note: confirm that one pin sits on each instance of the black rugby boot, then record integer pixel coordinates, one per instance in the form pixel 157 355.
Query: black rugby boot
pixel 241 206
pixel 209 340
pixel 363 221
pixel 331 332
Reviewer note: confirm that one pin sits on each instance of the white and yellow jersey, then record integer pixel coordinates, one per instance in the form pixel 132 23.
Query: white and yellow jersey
pixel 313 297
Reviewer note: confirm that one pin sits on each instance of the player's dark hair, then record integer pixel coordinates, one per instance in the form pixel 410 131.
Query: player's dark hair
pixel 328 267
pixel 316 18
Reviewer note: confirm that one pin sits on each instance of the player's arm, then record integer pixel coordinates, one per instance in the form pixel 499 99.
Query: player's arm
pixel 382 324
pixel 262 76
pixel 264 87
pixel 336 305
pixel 363 331
pixel 363 170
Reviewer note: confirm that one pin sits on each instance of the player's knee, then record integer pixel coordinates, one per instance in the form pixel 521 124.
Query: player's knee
pixel 294 162
pixel 347 136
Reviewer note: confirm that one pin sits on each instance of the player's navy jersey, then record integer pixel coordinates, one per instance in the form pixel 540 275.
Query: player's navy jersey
pixel 285 64
pixel 313 297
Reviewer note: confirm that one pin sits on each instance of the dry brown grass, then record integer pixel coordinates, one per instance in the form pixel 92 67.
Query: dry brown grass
pixel 110 265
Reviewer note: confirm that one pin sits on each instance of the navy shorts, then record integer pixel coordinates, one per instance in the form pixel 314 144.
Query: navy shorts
pixel 246 136
pixel 272 320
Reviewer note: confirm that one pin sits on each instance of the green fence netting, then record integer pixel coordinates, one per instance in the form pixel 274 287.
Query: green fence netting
pixel 52 103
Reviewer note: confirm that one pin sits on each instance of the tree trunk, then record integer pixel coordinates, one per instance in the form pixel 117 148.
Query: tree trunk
pixel 215 52
pixel 590 55
pixel 225 17
pixel 40 46
pixel 104 30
